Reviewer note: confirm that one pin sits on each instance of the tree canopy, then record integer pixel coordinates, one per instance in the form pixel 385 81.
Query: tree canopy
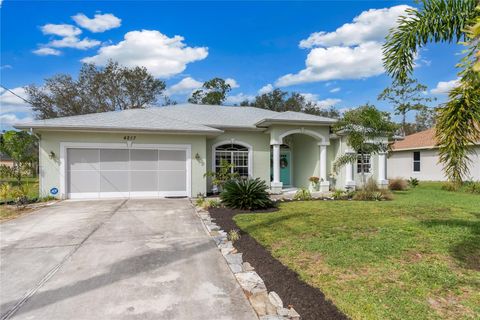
pixel 213 92
pixel 458 120
pixel 22 148
pixel 95 90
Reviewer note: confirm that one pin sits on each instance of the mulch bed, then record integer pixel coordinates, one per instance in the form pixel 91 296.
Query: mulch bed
pixel 308 301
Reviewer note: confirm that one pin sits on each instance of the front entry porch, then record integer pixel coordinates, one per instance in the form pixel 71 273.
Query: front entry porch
pixel 297 155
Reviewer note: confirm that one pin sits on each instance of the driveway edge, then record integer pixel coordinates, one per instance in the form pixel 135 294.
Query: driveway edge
pixel 267 305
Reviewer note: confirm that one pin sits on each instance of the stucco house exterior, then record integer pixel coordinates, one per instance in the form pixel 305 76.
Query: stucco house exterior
pixel 417 156
pixel 166 151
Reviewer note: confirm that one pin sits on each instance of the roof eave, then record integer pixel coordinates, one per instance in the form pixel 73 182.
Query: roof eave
pixel 269 122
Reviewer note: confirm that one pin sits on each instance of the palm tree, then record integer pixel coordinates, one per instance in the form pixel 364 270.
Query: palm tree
pixel 457 127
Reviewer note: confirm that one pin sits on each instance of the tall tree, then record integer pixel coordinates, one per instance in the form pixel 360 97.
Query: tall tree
pixel 405 96
pixel 22 148
pixel 213 92
pixel 425 119
pixel 458 120
pixel 365 129
pixel 281 101
pixel 95 90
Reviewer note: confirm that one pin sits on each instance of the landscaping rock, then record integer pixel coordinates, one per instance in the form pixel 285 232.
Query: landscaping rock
pixel 251 282
pixel 236 268
pixel 275 300
pixel 235 258
pixel 293 315
pixel 283 312
pixel 261 304
pixel 247 267
pixel 272 317
pixel 227 251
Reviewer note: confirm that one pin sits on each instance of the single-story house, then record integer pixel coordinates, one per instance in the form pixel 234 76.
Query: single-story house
pixel 166 151
pixel 417 156
pixel 6 160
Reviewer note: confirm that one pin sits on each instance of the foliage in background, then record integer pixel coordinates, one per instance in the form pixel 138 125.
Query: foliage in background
pixel 302 194
pixel 224 174
pixel 23 149
pixel 397 184
pixel 413 182
pixel 405 96
pixel 213 92
pixel 458 121
pixel 95 90
pixel 367 130
pixel 281 101
pixel 246 194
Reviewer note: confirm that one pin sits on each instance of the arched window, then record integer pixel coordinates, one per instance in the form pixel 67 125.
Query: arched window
pixel 236 154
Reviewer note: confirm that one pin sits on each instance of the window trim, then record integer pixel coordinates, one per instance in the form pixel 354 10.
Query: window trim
pixel 415 161
pixel 369 163
pixel 234 141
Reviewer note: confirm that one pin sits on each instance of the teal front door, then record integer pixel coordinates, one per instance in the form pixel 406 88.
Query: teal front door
pixel 285 167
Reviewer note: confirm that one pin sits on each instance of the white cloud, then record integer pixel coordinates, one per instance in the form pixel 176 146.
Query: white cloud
pixel 265 89
pixel 324 64
pixel 184 86
pixel 100 22
pixel 62 30
pixel 47 52
pixel 232 82
pixel 5 66
pixel 322 104
pixel 335 90
pixel 74 42
pixel 161 55
pixel 237 98
pixel 353 51
pixel 444 87
pixel 370 25
pixel 13 109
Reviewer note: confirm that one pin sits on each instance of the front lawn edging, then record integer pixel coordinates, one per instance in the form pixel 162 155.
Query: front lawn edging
pixel 267 305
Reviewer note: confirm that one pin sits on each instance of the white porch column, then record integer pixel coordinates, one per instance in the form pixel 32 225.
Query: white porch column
pixel 349 182
pixel 382 170
pixel 324 183
pixel 276 185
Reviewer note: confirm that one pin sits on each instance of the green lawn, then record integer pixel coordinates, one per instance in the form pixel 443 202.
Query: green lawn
pixel 416 257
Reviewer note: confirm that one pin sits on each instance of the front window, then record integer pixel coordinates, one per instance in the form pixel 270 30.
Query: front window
pixel 416 161
pixel 234 154
pixel 365 163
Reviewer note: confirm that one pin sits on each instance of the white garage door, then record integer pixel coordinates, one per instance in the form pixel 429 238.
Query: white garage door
pixel 105 173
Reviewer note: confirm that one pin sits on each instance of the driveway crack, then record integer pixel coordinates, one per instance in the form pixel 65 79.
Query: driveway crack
pixel 51 273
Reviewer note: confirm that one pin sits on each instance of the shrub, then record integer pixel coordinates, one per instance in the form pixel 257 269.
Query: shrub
pixel 397 184
pixel 5 191
pixel 472 187
pixel 314 180
pixel 248 194
pixel 210 203
pixel 368 195
pixel 413 182
pixel 338 194
pixel 199 201
pixel 233 235
pixel 20 195
pixel 450 186
pixel 371 185
pixel 302 194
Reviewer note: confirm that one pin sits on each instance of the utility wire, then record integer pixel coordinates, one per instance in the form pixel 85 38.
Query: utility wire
pixel 16 95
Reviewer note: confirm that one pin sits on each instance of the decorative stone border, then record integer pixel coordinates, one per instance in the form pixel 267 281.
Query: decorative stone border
pixel 267 305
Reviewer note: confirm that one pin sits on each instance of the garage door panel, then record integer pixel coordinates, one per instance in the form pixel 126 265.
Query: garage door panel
pixel 172 159
pixel 103 173
pixel 83 159
pixel 114 159
pixel 144 181
pixel 172 181
pixel 83 181
pixel 144 159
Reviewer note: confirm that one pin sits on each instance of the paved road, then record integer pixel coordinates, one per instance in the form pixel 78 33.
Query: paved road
pixel 115 259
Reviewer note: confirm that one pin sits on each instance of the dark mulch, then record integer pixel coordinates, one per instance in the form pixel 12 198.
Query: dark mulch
pixel 309 301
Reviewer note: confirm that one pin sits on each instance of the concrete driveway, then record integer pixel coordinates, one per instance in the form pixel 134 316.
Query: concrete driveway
pixel 115 259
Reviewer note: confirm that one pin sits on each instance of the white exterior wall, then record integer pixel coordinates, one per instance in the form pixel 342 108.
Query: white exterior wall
pixel 400 164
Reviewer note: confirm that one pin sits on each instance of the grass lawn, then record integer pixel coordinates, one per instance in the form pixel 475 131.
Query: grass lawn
pixel 10 211
pixel 416 257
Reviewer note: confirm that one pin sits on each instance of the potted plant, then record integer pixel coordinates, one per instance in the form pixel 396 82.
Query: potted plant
pixel 220 177
pixel 314 183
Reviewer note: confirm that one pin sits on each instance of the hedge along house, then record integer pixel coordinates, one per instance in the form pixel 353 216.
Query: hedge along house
pixel 166 151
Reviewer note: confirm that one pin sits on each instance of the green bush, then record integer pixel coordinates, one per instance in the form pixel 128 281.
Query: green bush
pixel 472 187
pixel 5 191
pixel 371 192
pixel 302 194
pixel 248 194
pixel 451 186
pixel 397 184
pixel 413 182
pixel 20 195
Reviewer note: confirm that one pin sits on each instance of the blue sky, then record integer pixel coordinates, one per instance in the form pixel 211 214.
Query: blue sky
pixel 327 50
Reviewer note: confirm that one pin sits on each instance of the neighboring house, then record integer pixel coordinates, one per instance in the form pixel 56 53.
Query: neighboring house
pixel 417 156
pixel 166 151
pixel 6 160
